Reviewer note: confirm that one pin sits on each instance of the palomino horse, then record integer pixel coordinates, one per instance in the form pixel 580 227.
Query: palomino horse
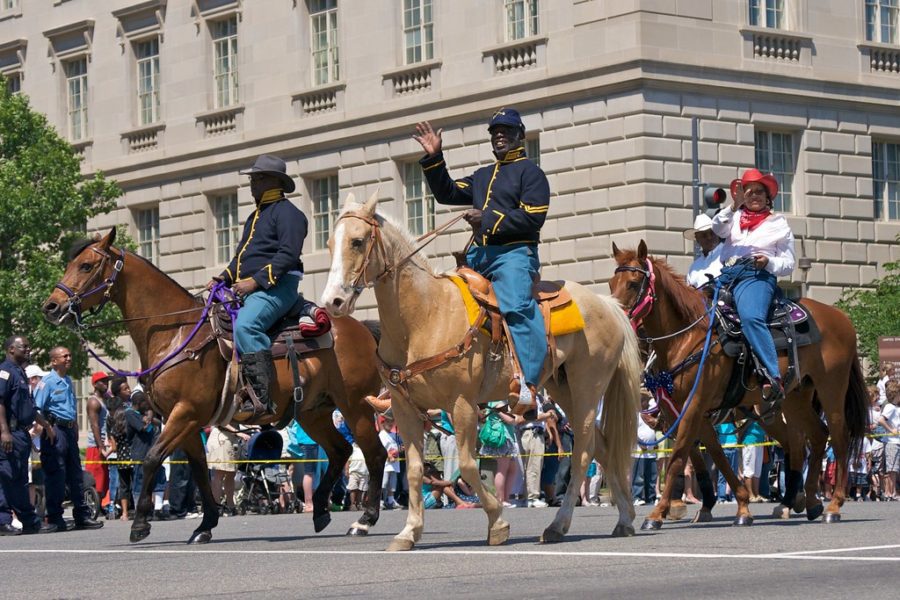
pixel 831 378
pixel 422 315
pixel 159 315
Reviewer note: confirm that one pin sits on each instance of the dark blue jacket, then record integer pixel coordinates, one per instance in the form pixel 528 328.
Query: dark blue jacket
pixel 513 193
pixel 16 396
pixel 270 246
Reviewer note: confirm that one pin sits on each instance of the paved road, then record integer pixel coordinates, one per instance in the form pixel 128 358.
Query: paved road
pixel 281 557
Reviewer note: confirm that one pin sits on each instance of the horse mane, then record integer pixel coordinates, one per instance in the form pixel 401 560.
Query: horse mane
pixel 78 246
pixel 687 302
pixel 131 254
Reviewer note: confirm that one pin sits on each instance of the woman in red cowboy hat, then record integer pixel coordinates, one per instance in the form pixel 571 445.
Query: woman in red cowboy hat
pixel 758 248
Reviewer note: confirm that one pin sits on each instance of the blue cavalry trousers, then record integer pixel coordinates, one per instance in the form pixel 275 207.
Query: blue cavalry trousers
pixel 261 311
pixel 753 293
pixel 511 269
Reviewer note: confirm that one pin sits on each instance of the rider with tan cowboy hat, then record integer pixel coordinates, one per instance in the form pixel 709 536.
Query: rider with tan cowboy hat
pixel 758 248
pixel 265 272
pixel 709 261
pixel 509 201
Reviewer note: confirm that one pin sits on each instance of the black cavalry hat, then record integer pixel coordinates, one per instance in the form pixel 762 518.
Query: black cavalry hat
pixel 269 164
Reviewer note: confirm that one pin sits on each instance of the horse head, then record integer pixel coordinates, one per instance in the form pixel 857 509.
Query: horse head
pixel 87 281
pixel 633 283
pixel 357 255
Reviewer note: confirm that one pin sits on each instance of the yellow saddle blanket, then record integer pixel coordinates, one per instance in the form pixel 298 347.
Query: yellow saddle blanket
pixel 564 319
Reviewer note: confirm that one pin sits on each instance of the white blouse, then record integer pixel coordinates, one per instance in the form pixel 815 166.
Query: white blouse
pixel 772 238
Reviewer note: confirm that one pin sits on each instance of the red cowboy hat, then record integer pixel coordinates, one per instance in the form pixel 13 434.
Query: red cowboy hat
pixel 755 176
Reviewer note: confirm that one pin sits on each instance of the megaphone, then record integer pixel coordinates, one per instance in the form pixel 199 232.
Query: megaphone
pixel 714 197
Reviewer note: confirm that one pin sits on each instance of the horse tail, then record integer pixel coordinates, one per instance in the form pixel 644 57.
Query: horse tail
pixel 856 407
pixel 622 401
pixel 374 328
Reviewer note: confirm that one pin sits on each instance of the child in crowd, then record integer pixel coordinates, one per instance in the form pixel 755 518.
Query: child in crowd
pixel 357 478
pixel 391 466
pixel 433 487
pixel 859 468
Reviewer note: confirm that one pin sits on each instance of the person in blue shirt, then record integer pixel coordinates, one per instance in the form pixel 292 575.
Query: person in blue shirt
pixel 16 418
pixel 509 202
pixel 55 400
pixel 265 273
pixel 727 433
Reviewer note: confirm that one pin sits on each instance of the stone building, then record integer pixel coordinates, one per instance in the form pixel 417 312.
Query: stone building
pixel 172 97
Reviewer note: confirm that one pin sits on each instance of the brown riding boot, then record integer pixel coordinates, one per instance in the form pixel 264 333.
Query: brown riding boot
pixel 258 372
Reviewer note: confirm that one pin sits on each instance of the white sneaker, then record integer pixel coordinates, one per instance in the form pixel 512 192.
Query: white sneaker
pixel 193 515
pixel 537 503
pixel 509 505
pixel 639 502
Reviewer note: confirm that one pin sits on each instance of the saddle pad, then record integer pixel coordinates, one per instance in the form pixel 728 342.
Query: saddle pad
pixel 564 319
pixel 807 333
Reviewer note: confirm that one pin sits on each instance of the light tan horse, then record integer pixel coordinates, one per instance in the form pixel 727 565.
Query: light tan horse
pixel 422 315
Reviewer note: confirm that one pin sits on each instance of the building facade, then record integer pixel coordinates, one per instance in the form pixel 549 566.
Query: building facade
pixel 172 97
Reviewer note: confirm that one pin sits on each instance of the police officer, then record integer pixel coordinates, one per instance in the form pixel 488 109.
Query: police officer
pixel 60 460
pixel 509 202
pixel 265 272
pixel 16 418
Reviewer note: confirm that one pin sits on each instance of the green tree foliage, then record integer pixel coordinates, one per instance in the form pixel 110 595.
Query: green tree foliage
pixel 45 204
pixel 875 312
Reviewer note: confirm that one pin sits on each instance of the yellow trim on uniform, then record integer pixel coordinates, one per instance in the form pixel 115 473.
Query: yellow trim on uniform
pixel 487 195
pixel 268 269
pixel 434 166
pixel 461 184
pixel 230 275
pixel 270 196
pixel 533 209
pixel 497 224
pixel 564 319
pixel 247 243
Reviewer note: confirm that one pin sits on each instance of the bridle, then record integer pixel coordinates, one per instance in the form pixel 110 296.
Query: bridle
pixel 646 295
pixel 105 286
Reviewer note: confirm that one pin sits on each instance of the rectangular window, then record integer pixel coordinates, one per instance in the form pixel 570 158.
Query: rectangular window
pixel 76 98
pixel 9 4
pixel 886 180
pixel 225 61
pixel 418 200
pixel 767 13
pixel 148 234
pixel 881 21
pixel 775 154
pixel 146 55
pixel 521 19
pixel 325 197
pixel 228 230
pixel 14 82
pixel 533 150
pixel 323 19
pixel 418 31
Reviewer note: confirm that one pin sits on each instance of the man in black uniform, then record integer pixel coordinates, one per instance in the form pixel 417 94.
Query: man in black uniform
pixel 16 418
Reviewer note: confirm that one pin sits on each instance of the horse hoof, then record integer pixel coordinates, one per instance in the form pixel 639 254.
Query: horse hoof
pixel 677 512
pixel 139 534
pixel 743 521
pixel 551 536
pixel 357 531
pixel 702 516
pixel 815 512
pixel 623 531
pixel 832 518
pixel 782 512
pixel 498 534
pixel 799 503
pixel 321 522
pixel 200 537
pixel 400 545
pixel 651 524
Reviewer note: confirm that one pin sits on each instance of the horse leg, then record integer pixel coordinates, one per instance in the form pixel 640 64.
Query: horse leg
pixel 196 453
pixel 318 424
pixel 817 435
pixel 140 528
pixel 711 441
pixel 619 488
pixel 413 436
pixel 707 490
pixel 361 421
pixel 795 453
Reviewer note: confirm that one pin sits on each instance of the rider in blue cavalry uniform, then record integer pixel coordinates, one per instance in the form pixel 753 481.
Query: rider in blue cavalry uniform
pixel 55 400
pixel 16 418
pixel 265 272
pixel 509 202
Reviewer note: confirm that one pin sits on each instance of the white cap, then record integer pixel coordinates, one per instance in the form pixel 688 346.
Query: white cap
pixel 34 371
pixel 701 223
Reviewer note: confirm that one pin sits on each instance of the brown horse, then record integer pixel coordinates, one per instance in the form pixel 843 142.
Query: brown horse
pixel 423 315
pixel 831 378
pixel 159 315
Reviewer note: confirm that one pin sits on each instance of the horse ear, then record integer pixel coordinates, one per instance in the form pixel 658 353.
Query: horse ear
pixel 371 204
pixel 350 199
pixel 111 235
pixel 642 251
pixel 616 252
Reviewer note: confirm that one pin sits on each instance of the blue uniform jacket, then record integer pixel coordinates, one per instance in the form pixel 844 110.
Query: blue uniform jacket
pixel 513 193
pixel 16 397
pixel 270 246
pixel 55 396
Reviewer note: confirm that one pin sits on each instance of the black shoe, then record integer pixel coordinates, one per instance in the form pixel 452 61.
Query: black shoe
pixel 8 529
pixel 40 528
pixel 161 515
pixel 88 524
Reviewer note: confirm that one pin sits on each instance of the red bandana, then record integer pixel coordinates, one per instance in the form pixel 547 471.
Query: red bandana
pixel 751 220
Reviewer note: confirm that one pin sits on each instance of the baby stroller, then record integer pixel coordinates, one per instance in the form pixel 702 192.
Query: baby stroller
pixel 262 482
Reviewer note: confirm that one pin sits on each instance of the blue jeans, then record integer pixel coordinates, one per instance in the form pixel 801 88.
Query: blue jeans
pixel 261 310
pixel 753 292
pixel 511 269
pixel 138 480
pixel 733 457
pixel 643 479
pixel 113 489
